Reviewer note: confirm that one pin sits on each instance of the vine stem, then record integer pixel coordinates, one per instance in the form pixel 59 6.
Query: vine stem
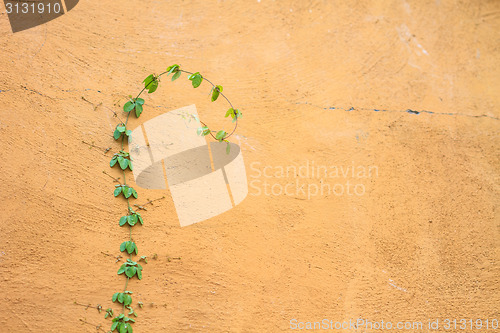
pixel 123 147
pixel 213 85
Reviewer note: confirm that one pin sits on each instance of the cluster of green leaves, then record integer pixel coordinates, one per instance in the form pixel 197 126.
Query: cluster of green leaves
pixel 122 324
pixel 235 114
pixel 123 298
pixel 220 136
pixel 131 268
pixel 204 130
pixel 135 103
pixel 174 69
pixel 131 219
pixel 126 190
pixel 123 159
pixel 120 130
pixel 129 246
pixel 109 313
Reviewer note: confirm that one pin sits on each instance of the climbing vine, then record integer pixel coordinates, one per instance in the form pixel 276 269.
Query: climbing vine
pixel 122 323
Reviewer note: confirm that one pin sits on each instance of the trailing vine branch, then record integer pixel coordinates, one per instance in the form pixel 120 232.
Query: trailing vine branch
pixel 130 268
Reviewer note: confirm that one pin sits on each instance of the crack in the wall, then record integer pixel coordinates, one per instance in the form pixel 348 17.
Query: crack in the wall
pixel 410 111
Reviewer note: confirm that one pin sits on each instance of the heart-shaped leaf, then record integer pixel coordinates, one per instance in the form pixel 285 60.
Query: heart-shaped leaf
pixel 123 162
pixel 117 191
pixel 123 221
pixel 129 106
pixel 138 110
pixel 196 79
pixel 130 271
pixel 176 76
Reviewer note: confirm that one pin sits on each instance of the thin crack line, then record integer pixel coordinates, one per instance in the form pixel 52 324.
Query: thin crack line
pixel 416 112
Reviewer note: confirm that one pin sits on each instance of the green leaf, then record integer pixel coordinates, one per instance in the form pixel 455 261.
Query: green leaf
pixel 202 131
pixel 176 76
pixel 132 220
pixel 113 161
pixel 148 80
pixel 123 221
pixel 130 271
pixel 172 69
pixel 126 191
pixel 138 109
pixel 123 328
pixel 115 296
pixel 128 132
pixel 134 192
pixel 130 165
pixel 123 162
pixel 121 316
pixel 228 148
pixel 220 135
pixel 117 134
pixel 215 95
pixel 120 297
pixel 130 247
pixel 113 327
pixel 229 112
pixel 196 79
pixel 121 128
pixel 122 269
pixel 215 92
pixel 129 328
pixel 140 218
pixel 117 191
pixel 152 87
pixel 139 101
pixel 129 106
pixel 139 274
pixel 123 246
pixel 127 300
pixel 237 116
pixel 151 83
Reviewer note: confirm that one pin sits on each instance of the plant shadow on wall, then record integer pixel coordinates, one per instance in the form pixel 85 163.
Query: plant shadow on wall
pixel 131 268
